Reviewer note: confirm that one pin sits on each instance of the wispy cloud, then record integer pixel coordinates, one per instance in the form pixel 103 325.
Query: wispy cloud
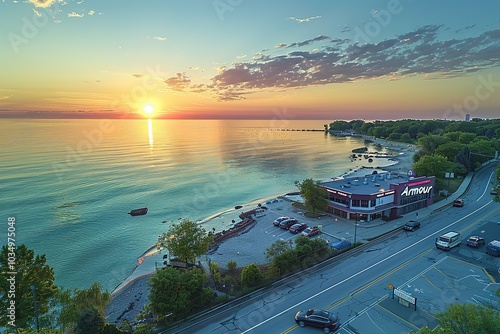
pixel 158 38
pixel 280 45
pixel 303 20
pixel 74 14
pixel 418 52
pixel 91 12
pixel 308 41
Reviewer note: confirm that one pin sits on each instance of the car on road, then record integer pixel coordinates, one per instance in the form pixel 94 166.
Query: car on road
pixel 328 321
pixel 494 191
pixel 458 202
pixel 297 228
pixel 310 231
pixel 475 241
pixel 411 225
pixel 278 220
pixel 493 248
pixel 287 223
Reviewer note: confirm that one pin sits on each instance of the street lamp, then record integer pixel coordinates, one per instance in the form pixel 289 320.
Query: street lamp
pixel 355 228
pixel 36 310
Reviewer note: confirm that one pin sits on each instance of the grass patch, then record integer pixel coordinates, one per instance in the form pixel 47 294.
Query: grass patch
pixel 448 184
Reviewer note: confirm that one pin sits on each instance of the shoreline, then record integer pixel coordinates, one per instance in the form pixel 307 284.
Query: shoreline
pixel 135 284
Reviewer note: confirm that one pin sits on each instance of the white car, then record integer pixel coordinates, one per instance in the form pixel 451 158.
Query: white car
pixel 278 220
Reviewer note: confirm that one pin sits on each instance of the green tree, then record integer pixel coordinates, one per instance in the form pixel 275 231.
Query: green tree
pixel 74 303
pixel 316 198
pixel 466 319
pixel 31 271
pixel 178 292
pixel 432 165
pixel 186 240
pixel 231 265
pixel 250 276
pixel 277 248
pixel 449 149
pixel 90 321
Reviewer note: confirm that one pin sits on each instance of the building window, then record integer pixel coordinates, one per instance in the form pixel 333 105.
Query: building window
pixel 364 203
pixel 355 203
pixel 373 203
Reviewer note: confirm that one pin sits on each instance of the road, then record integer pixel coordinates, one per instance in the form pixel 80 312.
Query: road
pixel 356 285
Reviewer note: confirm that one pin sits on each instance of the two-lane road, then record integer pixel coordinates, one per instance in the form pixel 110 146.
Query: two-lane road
pixel 357 287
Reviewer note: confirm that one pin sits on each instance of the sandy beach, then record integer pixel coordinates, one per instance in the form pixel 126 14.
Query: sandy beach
pixel 131 296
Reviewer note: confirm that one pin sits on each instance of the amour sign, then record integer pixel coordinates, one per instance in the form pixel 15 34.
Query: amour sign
pixel 416 191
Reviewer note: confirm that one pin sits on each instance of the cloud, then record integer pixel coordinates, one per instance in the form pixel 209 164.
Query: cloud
pixel 178 83
pixel 280 45
pixel 73 14
pixel 418 52
pixel 91 12
pixel 42 3
pixel 307 19
pixel 158 38
pixel 308 41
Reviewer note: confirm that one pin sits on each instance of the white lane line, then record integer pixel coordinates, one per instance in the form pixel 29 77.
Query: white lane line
pixel 361 271
pixel 487 187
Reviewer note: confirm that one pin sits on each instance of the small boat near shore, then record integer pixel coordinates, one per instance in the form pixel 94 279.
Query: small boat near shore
pixel 138 212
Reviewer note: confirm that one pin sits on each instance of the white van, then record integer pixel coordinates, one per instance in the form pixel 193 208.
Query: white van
pixel 448 240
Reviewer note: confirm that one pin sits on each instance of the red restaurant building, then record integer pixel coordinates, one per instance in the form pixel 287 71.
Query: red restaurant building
pixel 378 195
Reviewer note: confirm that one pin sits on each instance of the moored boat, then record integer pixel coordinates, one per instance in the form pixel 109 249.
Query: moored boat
pixel 138 212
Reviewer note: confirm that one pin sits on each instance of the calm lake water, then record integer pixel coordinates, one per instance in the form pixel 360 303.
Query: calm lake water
pixel 71 183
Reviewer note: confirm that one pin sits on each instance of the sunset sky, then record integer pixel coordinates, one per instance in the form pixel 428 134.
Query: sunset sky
pixel 250 59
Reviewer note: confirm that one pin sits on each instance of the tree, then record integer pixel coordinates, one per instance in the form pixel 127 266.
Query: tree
pixel 466 319
pixel 186 240
pixel 31 271
pixel 432 165
pixel 250 276
pixel 231 265
pixel 315 197
pixel 178 292
pixel 77 302
pixel 277 248
pixel 90 321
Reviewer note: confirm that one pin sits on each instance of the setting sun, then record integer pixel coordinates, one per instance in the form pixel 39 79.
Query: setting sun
pixel 149 109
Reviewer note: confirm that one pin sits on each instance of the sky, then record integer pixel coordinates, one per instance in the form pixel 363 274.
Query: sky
pixel 250 59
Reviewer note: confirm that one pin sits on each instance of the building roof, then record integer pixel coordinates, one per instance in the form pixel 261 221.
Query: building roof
pixel 366 185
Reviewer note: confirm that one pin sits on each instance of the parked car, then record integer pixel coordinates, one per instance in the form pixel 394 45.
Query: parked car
pixel 458 202
pixel 494 191
pixel 411 225
pixel 287 223
pixel 310 231
pixel 340 245
pixel 493 248
pixel 278 220
pixel 318 318
pixel 475 241
pixel 297 228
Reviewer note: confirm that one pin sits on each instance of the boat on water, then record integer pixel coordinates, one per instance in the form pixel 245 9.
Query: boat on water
pixel 138 212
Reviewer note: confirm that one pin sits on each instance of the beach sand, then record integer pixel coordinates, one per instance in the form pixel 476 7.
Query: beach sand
pixel 130 298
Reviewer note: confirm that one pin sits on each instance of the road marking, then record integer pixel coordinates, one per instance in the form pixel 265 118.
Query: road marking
pixel 362 271
pixel 487 186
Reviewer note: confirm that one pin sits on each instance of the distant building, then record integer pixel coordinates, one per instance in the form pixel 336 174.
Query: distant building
pixel 382 195
pixel 467 117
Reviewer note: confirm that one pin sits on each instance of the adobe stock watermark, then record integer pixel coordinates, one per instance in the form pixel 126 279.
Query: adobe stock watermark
pixel 483 91
pixel 223 6
pixel 31 27
pixel 382 18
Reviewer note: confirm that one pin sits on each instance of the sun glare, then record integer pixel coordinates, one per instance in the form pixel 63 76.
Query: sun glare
pixel 149 109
